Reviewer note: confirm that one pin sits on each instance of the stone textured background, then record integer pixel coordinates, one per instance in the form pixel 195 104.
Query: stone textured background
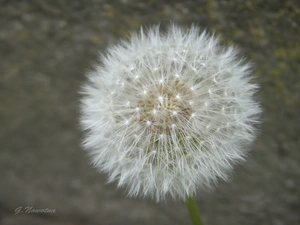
pixel 45 49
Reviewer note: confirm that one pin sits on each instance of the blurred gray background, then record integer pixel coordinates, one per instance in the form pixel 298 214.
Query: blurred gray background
pixel 46 47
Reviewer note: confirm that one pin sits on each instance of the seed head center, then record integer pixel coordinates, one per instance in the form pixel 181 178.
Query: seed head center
pixel 165 106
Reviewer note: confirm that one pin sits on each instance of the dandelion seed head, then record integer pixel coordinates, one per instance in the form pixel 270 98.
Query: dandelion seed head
pixel 169 113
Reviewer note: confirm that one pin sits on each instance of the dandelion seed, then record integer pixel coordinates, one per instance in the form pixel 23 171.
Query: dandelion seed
pixel 161 99
pixel 143 136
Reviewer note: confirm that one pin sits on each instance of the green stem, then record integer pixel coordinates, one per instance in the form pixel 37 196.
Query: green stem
pixel 193 211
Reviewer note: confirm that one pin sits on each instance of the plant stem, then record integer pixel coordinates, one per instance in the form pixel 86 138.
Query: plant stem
pixel 193 211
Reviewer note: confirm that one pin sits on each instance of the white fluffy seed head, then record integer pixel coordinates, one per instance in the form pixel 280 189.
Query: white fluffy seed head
pixel 169 113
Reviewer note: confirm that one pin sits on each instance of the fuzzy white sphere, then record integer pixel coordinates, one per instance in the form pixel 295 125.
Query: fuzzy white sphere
pixel 169 113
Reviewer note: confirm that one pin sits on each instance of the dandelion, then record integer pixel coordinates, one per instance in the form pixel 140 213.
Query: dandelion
pixel 168 114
